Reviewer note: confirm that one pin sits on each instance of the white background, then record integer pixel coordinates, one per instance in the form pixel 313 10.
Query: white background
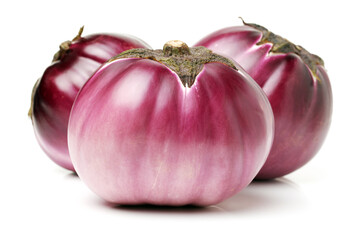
pixel 39 200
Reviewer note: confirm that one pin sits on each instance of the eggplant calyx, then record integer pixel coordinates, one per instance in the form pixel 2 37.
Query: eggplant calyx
pixel 31 109
pixel 282 45
pixel 64 46
pixel 176 55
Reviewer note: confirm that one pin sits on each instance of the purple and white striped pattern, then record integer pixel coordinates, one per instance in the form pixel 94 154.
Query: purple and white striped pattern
pixel 137 135
pixel 301 102
pixel 60 83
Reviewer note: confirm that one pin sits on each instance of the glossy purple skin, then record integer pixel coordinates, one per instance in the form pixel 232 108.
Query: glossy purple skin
pixel 302 104
pixel 138 136
pixel 60 83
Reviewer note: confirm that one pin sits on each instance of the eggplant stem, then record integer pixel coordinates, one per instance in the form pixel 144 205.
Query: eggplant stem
pixel 79 35
pixel 243 21
pixel 64 46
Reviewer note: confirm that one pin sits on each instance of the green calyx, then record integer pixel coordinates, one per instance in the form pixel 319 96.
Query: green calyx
pixel 64 46
pixel 176 55
pixel 35 87
pixel 282 45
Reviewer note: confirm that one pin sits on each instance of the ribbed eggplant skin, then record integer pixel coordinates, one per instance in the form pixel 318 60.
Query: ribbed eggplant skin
pixel 301 100
pixel 137 135
pixel 56 90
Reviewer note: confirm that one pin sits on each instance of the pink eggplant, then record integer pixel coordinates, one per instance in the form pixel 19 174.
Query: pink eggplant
pixel 55 91
pixel 296 84
pixel 169 127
